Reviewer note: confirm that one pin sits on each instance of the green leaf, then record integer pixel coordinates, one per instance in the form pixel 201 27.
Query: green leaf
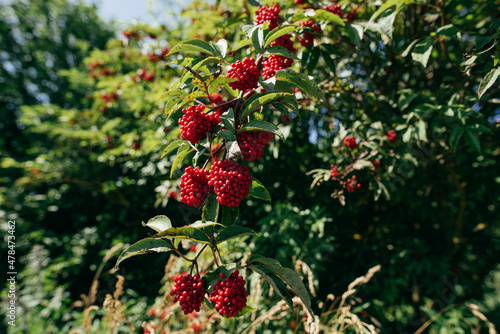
pixel 211 209
pixel 227 135
pixel 422 51
pixel 258 39
pixel 473 141
pixel 300 81
pixel 219 82
pixel 449 30
pixel 173 146
pixel 289 276
pixel 322 14
pixel 278 32
pixel 406 52
pixel 227 119
pixel 258 100
pixel 259 125
pixel 193 232
pixel 386 22
pixel 159 223
pixel 211 277
pixel 203 61
pixel 171 94
pixel 422 131
pixel 355 33
pixel 257 190
pixel 277 284
pixel 313 59
pixel 281 51
pixel 229 215
pixel 232 232
pixel 179 103
pixel 194 45
pixel 182 152
pixel 488 81
pixel 144 246
pixel 220 47
pixel 328 60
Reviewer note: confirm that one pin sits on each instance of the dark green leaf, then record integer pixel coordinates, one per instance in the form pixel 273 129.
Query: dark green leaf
pixel 211 209
pixel 300 81
pixel 195 232
pixel 422 51
pixel 258 39
pixel 227 119
pixel 227 135
pixel 159 223
pixel 229 215
pixel 277 284
pixel 322 14
pixel 145 246
pixel 313 59
pixel 219 82
pixel 173 146
pixel 182 152
pixel 488 81
pixel 258 100
pixel 281 51
pixel 258 125
pixel 257 190
pixel 195 45
pixel 473 141
pixel 278 32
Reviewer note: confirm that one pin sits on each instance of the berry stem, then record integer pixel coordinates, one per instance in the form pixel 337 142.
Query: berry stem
pixel 177 251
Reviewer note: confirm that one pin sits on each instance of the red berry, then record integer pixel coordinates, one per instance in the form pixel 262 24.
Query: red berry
pixel 229 296
pixel 268 14
pixel 195 123
pixel 334 172
pixel 273 64
pixel 335 9
pixel 231 182
pixel 252 143
pixel 391 135
pixel 300 2
pixel 188 291
pixel 350 142
pixel 284 41
pixel 246 72
pixel 194 186
pixel 136 145
pixel 308 38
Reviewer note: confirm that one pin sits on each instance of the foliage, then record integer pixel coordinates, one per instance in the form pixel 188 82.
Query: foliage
pixel 425 208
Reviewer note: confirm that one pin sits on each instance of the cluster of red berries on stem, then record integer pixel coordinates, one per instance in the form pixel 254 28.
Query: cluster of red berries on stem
pixel 229 296
pixel 194 186
pixel 252 143
pixel 231 182
pixel 308 38
pixel 268 14
pixel 195 124
pixel 391 135
pixel 189 292
pixel 350 142
pixel 335 9
pixel 145 75
pixel 246 72
pixel 351 184
pixel 334 172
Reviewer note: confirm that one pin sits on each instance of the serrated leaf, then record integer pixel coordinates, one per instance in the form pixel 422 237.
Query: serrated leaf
pixel 144 246
pixel 488 81
pixel 173 146
pixel 259 125
pixel 279 32
pixel 211 209
pixel 219 82
pixel 232 232
pixel 258 190
pixel 258 39
pixel 281 51
pixel 322 14
pixel 300 81
pixel 203 61
pixel 193 232
pixel 276 283
pixel 220 47
pixel 258 100
pixel 171 94
pixel 229 215
pixel 159 223
pixel 193 45
pixel 182 152
pixel 422 51
pixel 227 119
pixel 169 106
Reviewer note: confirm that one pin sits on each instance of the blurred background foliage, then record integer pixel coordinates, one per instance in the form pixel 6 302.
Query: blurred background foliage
pixel 83 133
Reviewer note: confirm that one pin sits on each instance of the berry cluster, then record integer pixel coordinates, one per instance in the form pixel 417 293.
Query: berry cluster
pixel 350 142
pixel 251 143
pixel 300 2
pixel 273 64
pixel 231 182
pixel 111 97
pixel 195 123
pixel 145 75
pixel 194 186
pixel 351 184
pixel 268 14
pixel 308 38
pixel 246 72
pixel 335 9
pixel 189 291
pixel 334 172
pixel 376 164
pixel 391 135
pixel 229 296
pixel 284 41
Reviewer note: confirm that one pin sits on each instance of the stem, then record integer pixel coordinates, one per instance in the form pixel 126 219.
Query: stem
pixel 180 254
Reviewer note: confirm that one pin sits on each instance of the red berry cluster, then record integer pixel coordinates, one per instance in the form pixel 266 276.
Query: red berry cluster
pixel 351 184
pixel 376 164
pixel 251 143
pixel 129 34
pixel 273 64
pixel 99 65
pixel 231 182
pixel 350 142
pixel 335 9
pixel 268 14
pixel 300 2
pixel 229 296
pixel 308 38
pixel 284 41
pixel 145 75
pixel 194 186
pixel 246 72
pixel 111 97
pixel 195 123
pixel 136 145
pixel 334 172
pixel 391 135
pixel 189 291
